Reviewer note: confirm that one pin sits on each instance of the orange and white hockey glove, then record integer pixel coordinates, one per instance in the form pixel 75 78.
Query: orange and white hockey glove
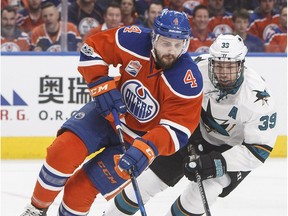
pixel 139 156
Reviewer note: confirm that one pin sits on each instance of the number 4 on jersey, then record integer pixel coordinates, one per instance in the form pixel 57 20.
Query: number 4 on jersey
pixel 190 79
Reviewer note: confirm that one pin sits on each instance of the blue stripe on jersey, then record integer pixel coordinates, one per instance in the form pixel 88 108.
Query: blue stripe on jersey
pixel 139 133
pixel 139 43
pixel 52 179
pixel 177 74
pixel 181 136
pixel 84 57
pixel 261 152
pixel 62 211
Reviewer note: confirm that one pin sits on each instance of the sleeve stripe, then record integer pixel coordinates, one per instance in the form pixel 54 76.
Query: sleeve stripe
pixel 129 132
pixel 177 93
pixel 261 152
pixel 174 137
pixel 92 62
pixel 176 125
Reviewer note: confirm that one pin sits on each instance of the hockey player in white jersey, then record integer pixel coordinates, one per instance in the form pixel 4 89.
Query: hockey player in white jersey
pixel 236 134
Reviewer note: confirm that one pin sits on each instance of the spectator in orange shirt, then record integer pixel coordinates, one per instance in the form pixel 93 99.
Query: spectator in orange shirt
pixel 241 22
pixel 278 41
pixel 30 17
pixel 266 9
pixel 112 19
pixel 12 38
pixel 47 37
pixel 201 38
pixel 220 19
pixel 264 20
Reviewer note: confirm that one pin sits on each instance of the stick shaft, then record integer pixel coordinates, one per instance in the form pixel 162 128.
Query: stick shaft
pixel 200 185
pixel 132 175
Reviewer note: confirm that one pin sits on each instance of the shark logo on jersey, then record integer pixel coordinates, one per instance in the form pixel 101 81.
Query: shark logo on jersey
pixel 211 123
pixel 133 68
pixel 139 101
pixel 262 95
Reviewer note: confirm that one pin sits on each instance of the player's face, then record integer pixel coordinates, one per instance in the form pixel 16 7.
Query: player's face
pixel 167 50
pixel 226 72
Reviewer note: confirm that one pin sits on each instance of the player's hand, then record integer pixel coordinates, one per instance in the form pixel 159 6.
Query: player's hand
pixel 139 156
pixel 210 165
pixel 107 97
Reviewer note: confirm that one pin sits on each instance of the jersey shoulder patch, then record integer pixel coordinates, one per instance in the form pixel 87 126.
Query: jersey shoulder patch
pixel 135 40
pixel 184 78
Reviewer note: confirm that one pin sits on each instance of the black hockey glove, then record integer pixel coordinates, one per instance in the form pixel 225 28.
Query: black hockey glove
pixel 210 165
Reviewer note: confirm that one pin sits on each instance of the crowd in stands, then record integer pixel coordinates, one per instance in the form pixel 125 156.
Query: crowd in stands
pixel 37 25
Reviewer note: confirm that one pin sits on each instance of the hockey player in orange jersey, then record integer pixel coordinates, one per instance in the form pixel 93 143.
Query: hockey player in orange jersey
pixel 158 86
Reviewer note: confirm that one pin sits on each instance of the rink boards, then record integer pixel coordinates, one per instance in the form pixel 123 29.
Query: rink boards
pixel 40 91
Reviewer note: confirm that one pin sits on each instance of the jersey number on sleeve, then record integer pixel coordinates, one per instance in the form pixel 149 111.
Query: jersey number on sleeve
pixel 190 79
pixel 268 121
pixel 132 28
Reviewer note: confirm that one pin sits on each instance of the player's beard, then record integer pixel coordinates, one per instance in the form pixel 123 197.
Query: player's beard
pixel 165 61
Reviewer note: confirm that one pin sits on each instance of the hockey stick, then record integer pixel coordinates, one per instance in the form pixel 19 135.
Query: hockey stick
pixel 131 173
pixel 200 184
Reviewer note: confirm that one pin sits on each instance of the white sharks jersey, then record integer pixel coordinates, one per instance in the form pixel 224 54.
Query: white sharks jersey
pixel 246 120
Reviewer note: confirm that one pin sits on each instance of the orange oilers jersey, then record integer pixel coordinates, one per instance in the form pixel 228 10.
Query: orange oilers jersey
pixel 277 43
pixel 163 105
pixel 221 25
pixel 40 38
pixel 25 22
pixel 20 42
pixel 199 46
pixel 264 28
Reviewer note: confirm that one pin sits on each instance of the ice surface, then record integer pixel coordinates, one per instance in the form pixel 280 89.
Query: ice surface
pixel 263 192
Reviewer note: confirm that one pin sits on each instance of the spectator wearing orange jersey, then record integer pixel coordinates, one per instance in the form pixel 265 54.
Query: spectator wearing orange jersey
pixel 266 9
pixel 201 38
pixel 112 19
pixel 12 38
pixel 30 16
pixel 220 19
pixel 278 41
pixel 241 22
pixel 47 37
pixel 264 20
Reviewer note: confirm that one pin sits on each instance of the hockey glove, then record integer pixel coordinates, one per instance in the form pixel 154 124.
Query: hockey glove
pixel 210 165
pixel 107 97
pixel 139 156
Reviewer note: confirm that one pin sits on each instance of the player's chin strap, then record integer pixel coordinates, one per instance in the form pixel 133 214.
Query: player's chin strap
pixel 200 184
pixel 132 175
